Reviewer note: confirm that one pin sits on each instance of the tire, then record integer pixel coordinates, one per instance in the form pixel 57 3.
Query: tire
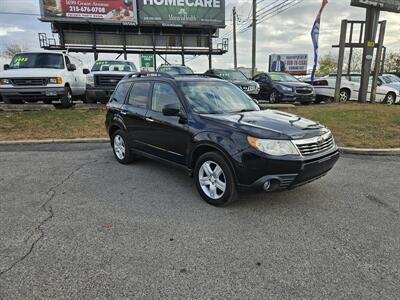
pixel 274 96
pixel 390 98
pixel 214 179
pixel 120 145
pixel 8 101
pixel 47 101
pixel 66 98
pixel 89 100
pixel 344 95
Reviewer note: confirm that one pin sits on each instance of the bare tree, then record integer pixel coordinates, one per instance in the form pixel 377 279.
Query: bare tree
pixel 12 48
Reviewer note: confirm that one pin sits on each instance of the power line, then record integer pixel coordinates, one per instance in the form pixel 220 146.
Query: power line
pixel 18 13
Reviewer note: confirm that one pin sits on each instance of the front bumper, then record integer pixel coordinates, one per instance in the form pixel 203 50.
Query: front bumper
pixel 297 98
pixel 98 93
pixel 32 93
pixel 254 170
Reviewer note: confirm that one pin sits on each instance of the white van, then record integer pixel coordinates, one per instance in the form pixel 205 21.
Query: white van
pixel 48 76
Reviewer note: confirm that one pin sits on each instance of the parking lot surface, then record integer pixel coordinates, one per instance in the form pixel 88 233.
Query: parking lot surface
pixel 76 224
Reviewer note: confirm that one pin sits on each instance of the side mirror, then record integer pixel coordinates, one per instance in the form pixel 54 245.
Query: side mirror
pixel 255 100
pixel 6 66
pixel 86 71
pixel 379 83
pixel 171 110
pixel 71 67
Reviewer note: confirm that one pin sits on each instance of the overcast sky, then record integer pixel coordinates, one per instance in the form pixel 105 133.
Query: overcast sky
pixel 286 33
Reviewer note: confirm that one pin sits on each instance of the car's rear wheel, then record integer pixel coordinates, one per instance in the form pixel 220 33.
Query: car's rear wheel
pixel 121 147
pixel 215 180
pixel 274 96
pixel 344 95
pixel 89 100
pixel 390 98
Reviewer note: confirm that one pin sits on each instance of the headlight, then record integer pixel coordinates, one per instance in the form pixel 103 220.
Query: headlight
pixel 273 147
pixel 5 81
pixel 90 80
pixel 257 86
pixel 286 88
pixel 55 80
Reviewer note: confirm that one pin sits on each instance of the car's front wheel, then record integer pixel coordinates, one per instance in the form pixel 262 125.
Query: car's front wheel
pixel 390 98
pixel 274 96
pixel 66 98
pixel 121 147
pixel 214 179
pixel 344 95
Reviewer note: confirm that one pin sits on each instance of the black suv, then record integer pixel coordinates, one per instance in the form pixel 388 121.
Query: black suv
pixel 216 133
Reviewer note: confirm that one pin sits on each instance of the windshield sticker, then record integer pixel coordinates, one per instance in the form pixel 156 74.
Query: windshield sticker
pixel 20 59
pixel 101 62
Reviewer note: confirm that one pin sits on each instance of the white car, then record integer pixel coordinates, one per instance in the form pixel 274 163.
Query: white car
pixel 48 76
pixel 349 89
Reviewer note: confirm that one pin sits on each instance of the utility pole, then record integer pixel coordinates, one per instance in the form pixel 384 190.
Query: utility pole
pixel 253 57
pixel 234 38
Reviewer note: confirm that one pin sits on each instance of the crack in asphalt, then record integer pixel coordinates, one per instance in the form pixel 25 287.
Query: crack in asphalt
pixel 51 193
pixel 381 203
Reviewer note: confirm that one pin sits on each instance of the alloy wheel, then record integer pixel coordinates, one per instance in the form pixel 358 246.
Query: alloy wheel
pixel 343 97
pixel 119 147
pixel 390 99
pixel 212 180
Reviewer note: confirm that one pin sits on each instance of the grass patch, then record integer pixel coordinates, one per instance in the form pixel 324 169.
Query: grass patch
pixel 354 125
pixel 62 124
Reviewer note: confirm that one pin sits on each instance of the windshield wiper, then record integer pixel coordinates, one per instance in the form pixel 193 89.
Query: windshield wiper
pixel 243 110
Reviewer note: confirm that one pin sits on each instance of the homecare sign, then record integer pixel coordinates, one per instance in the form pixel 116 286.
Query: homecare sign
pixel 178 13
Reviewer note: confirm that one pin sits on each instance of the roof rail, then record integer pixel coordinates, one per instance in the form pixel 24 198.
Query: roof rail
pixel 192 75
pixel 148 74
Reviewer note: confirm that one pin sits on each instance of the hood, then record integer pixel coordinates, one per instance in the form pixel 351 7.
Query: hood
pixel 394 85
pixel 293 84
pixel 271 124
pixel 117 73
pixel 30 72
pixel 243 82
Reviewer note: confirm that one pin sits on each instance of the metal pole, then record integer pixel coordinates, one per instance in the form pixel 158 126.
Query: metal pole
pixel 378 60
pixel 383 60
pixel 254 39
pixel 342 44
pixel 210 50
pixel 234 39
pixel 351 49
pixel 371 25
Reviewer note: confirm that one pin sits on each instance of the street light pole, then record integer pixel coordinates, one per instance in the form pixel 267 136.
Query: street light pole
pixel 253 57
pixel 234 39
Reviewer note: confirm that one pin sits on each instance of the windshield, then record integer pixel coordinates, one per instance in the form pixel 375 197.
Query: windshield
pixel 216 97
pixel 116 66
pixel 283 77
pixel 391 78
pixel 175 70
pixel 230 75
pixel 37 60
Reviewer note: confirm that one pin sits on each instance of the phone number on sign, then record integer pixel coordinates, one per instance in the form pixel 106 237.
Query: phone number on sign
pixel 87 9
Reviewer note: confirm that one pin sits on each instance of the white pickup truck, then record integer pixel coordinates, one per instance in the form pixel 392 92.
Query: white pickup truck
pixel 47 76
pixel 104 77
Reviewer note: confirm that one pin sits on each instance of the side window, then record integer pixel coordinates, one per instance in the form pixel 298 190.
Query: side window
pixel 163 94
pixel 139 94
pixel 119 94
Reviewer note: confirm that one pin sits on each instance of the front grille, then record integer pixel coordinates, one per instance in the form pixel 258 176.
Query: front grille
pixel 304 91
pixel 315 145
pixel 107 80
pixel 29 81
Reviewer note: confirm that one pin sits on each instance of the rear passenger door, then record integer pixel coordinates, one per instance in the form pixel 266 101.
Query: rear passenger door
pixel 134 113
pixel 166 136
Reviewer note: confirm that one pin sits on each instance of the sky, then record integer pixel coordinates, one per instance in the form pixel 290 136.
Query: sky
pixel 286 33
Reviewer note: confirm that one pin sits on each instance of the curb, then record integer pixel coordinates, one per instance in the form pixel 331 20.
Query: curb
pixel 56 141
pixel 361 151
pixel 345 150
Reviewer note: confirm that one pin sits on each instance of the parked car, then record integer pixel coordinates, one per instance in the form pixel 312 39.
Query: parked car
pixel 390 80
pixel 217 133
pixel 174 69
pixel 349 89
pixel 104 77
pixel 47 76
pixel 283 87
pixel 236 77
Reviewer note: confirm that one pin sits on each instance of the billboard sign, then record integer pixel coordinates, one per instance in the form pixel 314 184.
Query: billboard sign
pixel 105 11
pixel 295 64
pixel 179 13
pixel 385 5
pixel 147 62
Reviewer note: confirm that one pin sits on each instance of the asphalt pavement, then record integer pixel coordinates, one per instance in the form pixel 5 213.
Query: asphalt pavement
pixel 75 224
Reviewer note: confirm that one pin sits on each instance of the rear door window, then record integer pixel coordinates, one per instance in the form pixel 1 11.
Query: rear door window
pixel 139 95
pixel 119 94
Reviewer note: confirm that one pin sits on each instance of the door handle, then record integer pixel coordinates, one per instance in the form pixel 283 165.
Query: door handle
pixel 149 120
pixel 124 112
